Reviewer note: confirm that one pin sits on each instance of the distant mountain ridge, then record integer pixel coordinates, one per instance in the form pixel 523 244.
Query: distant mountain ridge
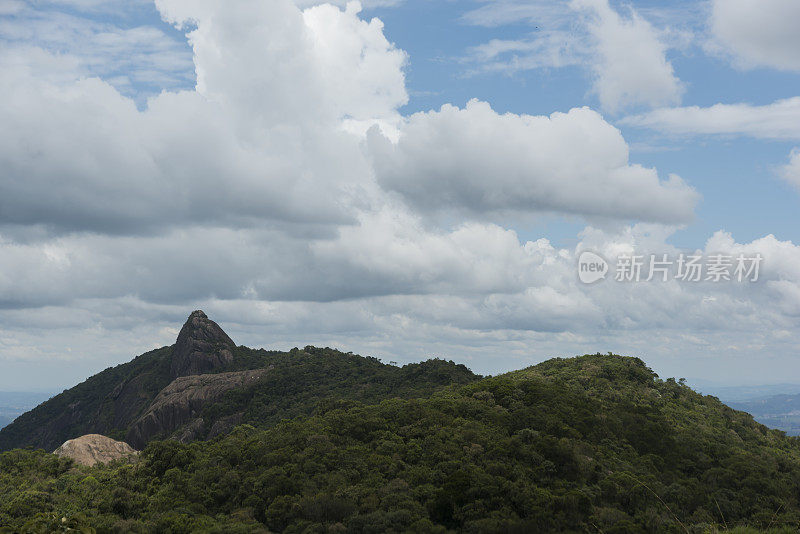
pixel 740 393
pixel 776 411
pixel 204 384
pixel 15 403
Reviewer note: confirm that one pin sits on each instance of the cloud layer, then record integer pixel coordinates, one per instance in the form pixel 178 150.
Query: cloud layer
pixel 779 120
pixel 288 196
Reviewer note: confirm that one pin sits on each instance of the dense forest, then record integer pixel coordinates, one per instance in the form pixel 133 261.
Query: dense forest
pixel 596 443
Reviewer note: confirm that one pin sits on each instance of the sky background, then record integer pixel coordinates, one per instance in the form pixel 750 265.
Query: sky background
pixel 404 179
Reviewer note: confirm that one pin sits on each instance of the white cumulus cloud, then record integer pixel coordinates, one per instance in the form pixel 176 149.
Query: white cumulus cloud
pixel 757 33
pixel 631 67
pixel 571 162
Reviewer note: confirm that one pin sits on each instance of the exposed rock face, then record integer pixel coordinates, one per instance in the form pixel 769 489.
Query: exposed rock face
pixel 114 399
pixel 202 346
pixel 182 401
pixel 95 448
pixel 190 431
pixel 129 399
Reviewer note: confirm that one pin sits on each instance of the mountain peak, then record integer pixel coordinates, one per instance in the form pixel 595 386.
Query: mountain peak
pixel 202 346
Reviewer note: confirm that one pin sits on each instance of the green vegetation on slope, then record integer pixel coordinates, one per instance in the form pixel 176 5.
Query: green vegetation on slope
pixel 89 407
pixel 590 444
pixel 110 401
pixel 302 381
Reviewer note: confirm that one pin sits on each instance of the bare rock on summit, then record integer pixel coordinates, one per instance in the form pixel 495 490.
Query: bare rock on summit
pixel 111 401
pixel 95 448
pixel 202 347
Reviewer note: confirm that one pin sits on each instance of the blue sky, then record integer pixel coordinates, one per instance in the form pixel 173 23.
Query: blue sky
pixel 402 179
pixel 736 175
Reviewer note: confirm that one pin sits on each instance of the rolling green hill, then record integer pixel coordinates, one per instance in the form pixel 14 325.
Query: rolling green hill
pixel 596 443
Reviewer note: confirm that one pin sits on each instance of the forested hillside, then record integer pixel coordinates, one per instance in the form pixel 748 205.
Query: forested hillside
pixel 296 381
pixel 89 406
pixel 596 443
pixel 119 402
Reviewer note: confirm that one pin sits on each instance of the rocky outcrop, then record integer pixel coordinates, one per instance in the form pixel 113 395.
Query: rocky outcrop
pixel 114 399
pixel 202 347
pixel 191 431
pixel 182 402
pixel 128 400
pixel 95 448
